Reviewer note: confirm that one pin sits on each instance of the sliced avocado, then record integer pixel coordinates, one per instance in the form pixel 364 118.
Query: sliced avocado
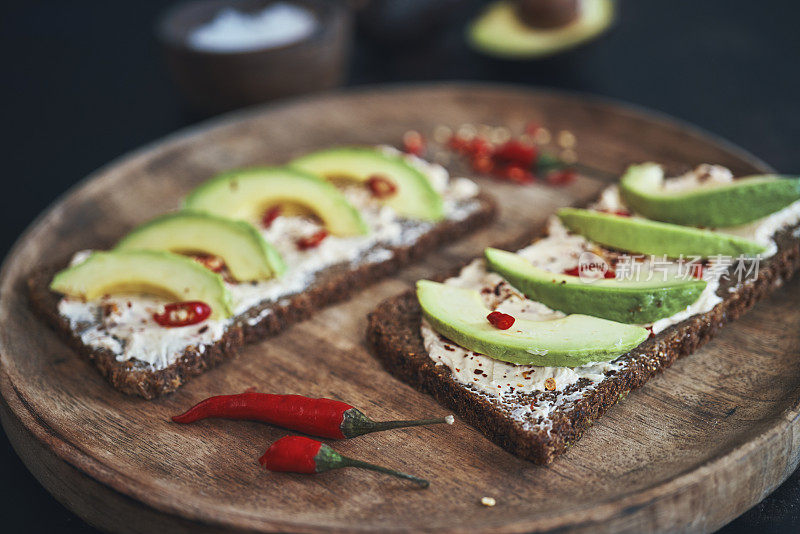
pixel 625 301
pixel 415 197
pixel 644 236
pixel 248 193
pixel 152 272
pixel 716 206
pixel 245 252
pixel 459 315
pixel 500 32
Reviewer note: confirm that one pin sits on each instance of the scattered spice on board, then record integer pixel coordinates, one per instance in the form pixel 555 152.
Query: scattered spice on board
pixel 496 152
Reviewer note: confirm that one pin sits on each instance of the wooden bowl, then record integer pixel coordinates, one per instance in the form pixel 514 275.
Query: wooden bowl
pixel 213 82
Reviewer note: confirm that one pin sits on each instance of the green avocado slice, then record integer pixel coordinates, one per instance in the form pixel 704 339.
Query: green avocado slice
pixel 716 206
pixel 247 194
pixel 499 32
pixel 245 252
pixel 624 301
pixel 459 315
pixel 164 274
pixel 415 197
pixel 644 236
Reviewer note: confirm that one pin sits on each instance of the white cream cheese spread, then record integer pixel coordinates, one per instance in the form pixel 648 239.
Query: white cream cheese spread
pixel 560 251
pixel 125 326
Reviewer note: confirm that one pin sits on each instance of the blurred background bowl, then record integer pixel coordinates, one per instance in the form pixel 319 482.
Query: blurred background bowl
pixel 217 81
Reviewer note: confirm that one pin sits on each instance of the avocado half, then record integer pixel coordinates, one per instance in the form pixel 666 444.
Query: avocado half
pixel 152 272
pixel 460 315
pixel 717 206
pixel 624 301
pixel 248 256
pixel 499 32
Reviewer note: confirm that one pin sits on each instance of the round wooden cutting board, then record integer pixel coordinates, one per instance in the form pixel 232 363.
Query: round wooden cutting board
pixel 690 451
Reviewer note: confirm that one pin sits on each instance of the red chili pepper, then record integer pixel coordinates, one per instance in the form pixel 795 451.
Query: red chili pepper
pixel 501 321
pixel 183 313
pixel 270 215
pixel 313 240
pixel 298 454
pixel 326 418
pixel 380 186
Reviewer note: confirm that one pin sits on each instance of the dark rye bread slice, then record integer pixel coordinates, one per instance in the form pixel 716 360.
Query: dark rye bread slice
pixel 393 332
pixel 334 284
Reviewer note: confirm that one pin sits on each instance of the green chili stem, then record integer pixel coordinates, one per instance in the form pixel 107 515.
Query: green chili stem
pixel 377 426
pixel 351 462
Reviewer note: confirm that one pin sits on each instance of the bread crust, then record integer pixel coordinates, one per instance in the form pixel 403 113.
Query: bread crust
pixel 333 285
pixel 393 334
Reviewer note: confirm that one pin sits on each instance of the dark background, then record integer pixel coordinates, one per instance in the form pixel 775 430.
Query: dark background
pixel 83 82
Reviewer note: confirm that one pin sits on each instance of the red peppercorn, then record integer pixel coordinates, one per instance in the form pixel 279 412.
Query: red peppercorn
pixel 413 143
pixel 312 240
pixel 183 314
pixel 270 215
pixel 561 177
pixel 501 321
pixel 380 186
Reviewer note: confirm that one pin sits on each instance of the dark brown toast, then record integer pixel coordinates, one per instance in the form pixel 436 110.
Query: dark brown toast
pixel 331 285
pixel 393 332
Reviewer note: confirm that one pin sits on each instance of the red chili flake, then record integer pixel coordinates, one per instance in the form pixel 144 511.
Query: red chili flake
pixel 380 186
pixel 499 320
pixel 458 143
pixel 518 175
pixel 413 143
pixel 609 274
pixel 479 147
pixel 483 164
pixel 650 329
pixel 697 270
pixel 561 177
pixel 183 313
pixel 312 240
pixel 210 262
pixel 270 215
pixel 516 153
pixel 622 213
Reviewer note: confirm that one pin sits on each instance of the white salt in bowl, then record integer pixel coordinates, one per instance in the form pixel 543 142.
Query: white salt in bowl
pixel 226 54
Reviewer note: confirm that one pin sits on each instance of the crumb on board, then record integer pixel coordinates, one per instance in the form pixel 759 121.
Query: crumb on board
pixel 488 501
pixel 449 419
